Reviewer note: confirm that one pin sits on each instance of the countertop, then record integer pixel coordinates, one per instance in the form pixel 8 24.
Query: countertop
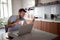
pixel 46 20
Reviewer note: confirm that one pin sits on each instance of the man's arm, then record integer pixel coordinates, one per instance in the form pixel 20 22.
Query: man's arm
pixel 30 21
pixel 11 24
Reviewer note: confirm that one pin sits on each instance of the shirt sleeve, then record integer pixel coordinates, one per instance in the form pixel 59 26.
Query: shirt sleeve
pixel 12 18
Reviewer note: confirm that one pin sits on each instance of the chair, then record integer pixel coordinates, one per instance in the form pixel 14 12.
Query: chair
pixel 6 28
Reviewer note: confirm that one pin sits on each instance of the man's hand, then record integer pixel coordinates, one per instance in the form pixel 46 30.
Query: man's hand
pixel 17 22
pixel 13 24
pixel 30 21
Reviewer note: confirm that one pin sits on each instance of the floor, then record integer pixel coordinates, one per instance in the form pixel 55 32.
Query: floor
pixel 2 31
pixel 35 35
pixel 57 38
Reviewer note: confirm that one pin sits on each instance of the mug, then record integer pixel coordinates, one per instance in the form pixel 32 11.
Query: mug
pixel 22 22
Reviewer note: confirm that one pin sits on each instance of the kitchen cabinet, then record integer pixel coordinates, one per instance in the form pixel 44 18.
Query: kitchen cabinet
pixel 46 2
pixel 46 27
pixel 28 3
pixel 51 27
pixel 58 28
pixel 37 24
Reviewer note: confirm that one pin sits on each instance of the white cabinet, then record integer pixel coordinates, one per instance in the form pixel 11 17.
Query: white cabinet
pixel 28 3
pixel 47 1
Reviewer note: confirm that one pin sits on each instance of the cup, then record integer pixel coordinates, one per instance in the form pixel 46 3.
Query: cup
pixel 22 22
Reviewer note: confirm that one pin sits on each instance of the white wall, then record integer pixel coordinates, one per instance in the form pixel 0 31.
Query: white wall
pixel 28 3
pixel 16 5
pixel 39 11
pixel 58 9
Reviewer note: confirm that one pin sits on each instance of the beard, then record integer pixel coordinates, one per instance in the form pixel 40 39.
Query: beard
pixel 20 16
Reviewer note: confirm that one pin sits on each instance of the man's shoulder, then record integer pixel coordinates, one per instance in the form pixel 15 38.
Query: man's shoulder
pixel 14 16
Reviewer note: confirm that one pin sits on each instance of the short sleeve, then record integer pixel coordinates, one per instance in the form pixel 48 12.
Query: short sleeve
pixel 12 18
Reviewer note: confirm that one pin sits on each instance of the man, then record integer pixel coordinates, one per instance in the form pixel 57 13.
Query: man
pixel 14 21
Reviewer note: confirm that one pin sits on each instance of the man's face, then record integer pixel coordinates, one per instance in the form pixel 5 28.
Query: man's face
pixel 21 14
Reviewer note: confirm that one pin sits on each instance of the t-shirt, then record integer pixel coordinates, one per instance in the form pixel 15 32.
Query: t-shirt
pixel 13 19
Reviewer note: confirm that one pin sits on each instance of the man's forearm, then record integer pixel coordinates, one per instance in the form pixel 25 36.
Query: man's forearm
pixel 10 25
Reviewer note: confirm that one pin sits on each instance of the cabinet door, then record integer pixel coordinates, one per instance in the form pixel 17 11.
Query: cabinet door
pixel 47 26
pixel 37 25
pixel 40 25
pixel 53 27
pixel 34 25
pixel 58 29
pixel 44 26
pixel 47 1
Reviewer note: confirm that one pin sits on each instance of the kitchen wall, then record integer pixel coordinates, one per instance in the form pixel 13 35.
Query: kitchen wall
pixel 16 5
pixel 28 3
pixel 51 9
pixel 38 11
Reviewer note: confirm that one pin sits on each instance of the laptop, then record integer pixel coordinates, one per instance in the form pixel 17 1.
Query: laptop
pixel 23 30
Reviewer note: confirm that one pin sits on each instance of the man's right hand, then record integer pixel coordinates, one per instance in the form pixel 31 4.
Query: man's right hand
pixel 12 24
pixel 17 22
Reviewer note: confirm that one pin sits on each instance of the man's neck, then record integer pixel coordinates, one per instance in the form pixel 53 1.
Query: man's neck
pixel 20 17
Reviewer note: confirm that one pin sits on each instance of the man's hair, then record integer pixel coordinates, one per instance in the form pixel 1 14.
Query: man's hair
pixel 20 10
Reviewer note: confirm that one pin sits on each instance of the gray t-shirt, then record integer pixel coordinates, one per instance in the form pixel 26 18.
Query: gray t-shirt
pixel 13 19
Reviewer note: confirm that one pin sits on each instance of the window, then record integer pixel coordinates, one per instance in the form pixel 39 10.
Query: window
pixel 5 8
pixel 5 11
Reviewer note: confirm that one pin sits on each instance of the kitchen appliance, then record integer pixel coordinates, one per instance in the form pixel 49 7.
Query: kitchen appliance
pixel 58 17
pixel 47 16
pixel 52 16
